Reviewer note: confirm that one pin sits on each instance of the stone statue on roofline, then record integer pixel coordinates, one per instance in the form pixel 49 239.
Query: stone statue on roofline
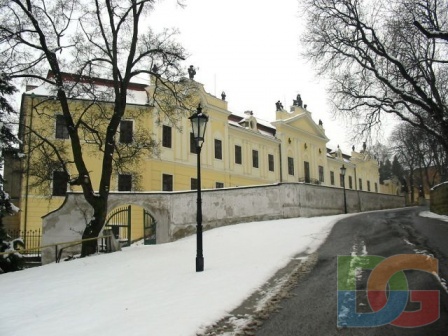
pixel 279 106
pixel 298 101
pixel 191 72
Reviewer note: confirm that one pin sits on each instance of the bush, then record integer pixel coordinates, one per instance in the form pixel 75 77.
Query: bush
pixel 13 261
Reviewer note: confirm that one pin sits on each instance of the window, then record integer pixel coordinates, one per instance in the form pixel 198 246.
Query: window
pixel 60 180
pixel 254 158
pixel 290 165
pixel 193 148
pixel 124 182
pixel 166 136
pixel 61 127
pixel 332 177
pixel 376 187
pixel 126 130
pixel 368 185
pixel 321 174
pixel 194 183
pixel 219 185
pixel 218 149
pixel 350 182
pixel 360 184
pixel 167 182
pixel 238 159
pixel 271 162
pixel 307 172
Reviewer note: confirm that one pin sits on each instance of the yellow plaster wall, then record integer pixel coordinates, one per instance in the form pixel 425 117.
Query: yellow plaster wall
pixel 301 139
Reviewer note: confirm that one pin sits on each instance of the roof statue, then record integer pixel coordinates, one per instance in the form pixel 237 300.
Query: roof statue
pixel 155 69
pixel 279 106
pixel 339 153
pixel 298 101
pixel 191 72
pixel 223 95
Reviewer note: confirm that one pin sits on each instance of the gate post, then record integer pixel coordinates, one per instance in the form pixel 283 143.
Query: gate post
pixel 129 225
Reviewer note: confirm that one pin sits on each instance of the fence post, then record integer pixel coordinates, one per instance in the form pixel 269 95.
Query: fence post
pixel 129 225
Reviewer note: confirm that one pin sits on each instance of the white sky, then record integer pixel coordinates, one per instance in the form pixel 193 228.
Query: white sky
pixel 250 49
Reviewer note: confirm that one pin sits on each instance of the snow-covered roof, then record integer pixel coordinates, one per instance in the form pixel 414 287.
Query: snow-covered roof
pixel 101 92
pixel 88 88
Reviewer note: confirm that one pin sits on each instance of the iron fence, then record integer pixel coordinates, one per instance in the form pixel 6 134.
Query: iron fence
pixel 31 238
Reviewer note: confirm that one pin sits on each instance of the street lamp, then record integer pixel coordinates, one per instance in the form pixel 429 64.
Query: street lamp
pixel 198 125
pixel 343 170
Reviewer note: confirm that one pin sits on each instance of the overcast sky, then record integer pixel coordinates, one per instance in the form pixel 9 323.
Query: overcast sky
pixel 250 49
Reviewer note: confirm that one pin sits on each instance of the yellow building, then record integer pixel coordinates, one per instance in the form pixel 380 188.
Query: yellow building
pixel 239 150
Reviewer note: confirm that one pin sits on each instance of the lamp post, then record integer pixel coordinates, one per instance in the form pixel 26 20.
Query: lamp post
pixel 343 170
pixel 198 125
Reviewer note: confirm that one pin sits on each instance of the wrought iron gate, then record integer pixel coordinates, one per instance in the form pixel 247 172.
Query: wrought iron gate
pixel 119 221
pixel 149 228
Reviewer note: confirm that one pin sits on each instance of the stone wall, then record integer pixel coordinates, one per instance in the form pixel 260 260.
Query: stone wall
pixel 439 199
pixel 175 212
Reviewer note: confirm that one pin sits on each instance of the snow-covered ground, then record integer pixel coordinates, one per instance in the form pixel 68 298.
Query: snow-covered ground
pixel 154 290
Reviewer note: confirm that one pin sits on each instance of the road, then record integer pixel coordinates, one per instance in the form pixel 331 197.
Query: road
pixel 313 309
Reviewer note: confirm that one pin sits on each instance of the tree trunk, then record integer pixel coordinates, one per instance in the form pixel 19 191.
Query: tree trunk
pixel 94 229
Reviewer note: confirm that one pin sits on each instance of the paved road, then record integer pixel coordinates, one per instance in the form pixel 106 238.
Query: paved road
pixel 312 309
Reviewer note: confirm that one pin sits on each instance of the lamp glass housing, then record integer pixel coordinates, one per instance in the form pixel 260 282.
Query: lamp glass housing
pixel 198 125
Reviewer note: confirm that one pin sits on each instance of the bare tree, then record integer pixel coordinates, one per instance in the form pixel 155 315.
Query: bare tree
pixel 389 57
pixel 404 141
pixel 420 155
pixel 92 39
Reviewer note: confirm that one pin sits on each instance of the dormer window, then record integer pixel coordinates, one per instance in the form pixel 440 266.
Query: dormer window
pixel 249 121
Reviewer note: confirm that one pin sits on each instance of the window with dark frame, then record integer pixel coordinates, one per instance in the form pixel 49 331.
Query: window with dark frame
pixel 218 149
pixel 219 185
pixel 350 182
pixel 61 127
pixel 194 183
pixel 360 184
pixel 332 177
pixel 167 182
pixel 254 158
pixel 124 182
pixel 271 162
pixel 290 165
pixel 126 131
pixel 238 157
pixel 60 180
pixel 306 166
pixel 193 148
pixel 368 185
pixel 166 136
pixel 376 187
pixel 321 174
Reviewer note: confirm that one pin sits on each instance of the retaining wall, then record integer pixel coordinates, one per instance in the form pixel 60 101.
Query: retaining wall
pixel 175 212
pixel 439 199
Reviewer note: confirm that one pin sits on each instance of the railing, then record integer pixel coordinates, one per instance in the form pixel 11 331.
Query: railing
pixel 107 245
pixel 58 251
pixel 31 238
pixel 309 180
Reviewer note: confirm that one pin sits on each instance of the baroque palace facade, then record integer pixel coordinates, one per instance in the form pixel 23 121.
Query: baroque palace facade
pixel 238 150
